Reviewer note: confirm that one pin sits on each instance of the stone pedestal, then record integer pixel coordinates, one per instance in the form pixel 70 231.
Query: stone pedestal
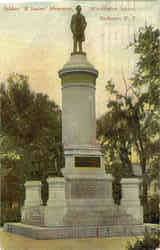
pixel 130 198
pixel 55 208
pixel 32 194
pixel 88 199
pixel 84 159
pixel 88 191
pixel 32 211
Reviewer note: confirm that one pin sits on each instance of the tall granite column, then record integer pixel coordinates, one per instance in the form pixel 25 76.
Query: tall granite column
pixel 78 100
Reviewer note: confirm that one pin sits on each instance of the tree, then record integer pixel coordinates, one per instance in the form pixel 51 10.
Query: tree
pixel 115 136
pixel 147 80
pixel 134 117
pixel 30 130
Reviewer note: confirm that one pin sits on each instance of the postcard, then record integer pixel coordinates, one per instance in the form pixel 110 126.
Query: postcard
pixel 38 40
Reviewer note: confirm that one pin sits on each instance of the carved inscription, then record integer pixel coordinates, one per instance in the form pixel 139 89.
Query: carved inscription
pixel 83 190
pixel 87 161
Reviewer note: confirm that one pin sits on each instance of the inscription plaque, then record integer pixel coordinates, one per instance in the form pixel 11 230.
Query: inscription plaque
pixel 83 189
pixel 87 161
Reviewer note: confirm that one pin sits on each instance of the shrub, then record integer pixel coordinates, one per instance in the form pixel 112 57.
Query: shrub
pixel 8 214
pixel 151 212
pixel 150 242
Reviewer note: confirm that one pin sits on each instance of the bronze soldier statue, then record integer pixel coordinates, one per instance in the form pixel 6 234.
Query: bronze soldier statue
pixel 78 25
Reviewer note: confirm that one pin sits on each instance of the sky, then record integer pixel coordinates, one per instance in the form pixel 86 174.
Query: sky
pixel 39 42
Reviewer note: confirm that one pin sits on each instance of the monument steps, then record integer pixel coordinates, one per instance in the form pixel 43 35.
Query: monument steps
pixel 108 217
pixel 74 231
pixel 36 220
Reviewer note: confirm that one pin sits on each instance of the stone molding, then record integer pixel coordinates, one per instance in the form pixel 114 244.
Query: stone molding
pixel 78 84
pixel 55 180
pixel 128 181
pixel 31 184
pixel 89 202
pixel 78 63
pixel 89 176
pixel 83 149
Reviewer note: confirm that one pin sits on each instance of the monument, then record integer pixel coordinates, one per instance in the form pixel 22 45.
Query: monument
pixel 80 203
pixel 86 185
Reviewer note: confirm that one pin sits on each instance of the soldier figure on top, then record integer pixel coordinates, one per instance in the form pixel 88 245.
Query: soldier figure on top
pixel 78 25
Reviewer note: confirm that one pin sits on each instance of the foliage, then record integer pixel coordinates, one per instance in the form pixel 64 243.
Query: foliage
pixel 10 188
pixel 118 172
pixel 154 170
pixel 9 214
pixel 132 120
pixel 151 212
pixel 30 140
pixel 149 242
pixel 146 85
pixel 146 45
pixel 30 125
pixel 114 131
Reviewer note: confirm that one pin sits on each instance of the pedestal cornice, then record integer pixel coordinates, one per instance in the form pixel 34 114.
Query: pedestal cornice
pixel 83 149
pixel 78 64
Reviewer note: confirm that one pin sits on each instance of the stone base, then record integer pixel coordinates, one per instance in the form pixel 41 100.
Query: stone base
pixel 74 232
pixel 53 215
pixel 78 53
pixel 95 214
pixel 130 198
pixel 33 215
pixel 88 197
pixel 55 209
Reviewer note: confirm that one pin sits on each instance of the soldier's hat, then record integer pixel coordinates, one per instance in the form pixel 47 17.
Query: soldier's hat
pixel 78 6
